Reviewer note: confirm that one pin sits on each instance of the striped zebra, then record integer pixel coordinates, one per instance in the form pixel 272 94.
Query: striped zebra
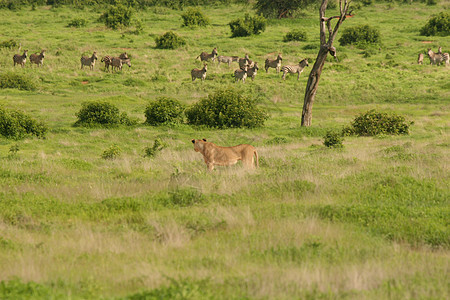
pixel 108 60
pixel 225 59
pixel 439 50
pixel 244 61
pixel 235 58
pixel 437 59
pixel 251 72
pixel 199 73
pixel 273 63
pixel 38 58
pixel 206 56
pixel 241 74
pixel 117 63
pixel 89 61
pixel 420 58
pixel 295 69
pixel 20 59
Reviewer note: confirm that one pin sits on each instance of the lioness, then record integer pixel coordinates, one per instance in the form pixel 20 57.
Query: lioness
pixel 225 156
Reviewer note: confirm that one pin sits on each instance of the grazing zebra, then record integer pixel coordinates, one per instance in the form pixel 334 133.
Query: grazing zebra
pixel 108 60
pixel 235 58
pixel 437 59
pixel 439 50
pixel 199 73
pixel 295 69
pixel 89 61
pixel 20 59
pixel 251 72
pixel 273 63
pixel 244 61
pixel 241 74
pixel 420 58
pixel 225 59
pixel 206 56
pixel 38 58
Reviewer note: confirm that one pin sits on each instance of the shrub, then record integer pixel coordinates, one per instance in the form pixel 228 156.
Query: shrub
pixel 333 139
pixel 295 35
pixel 158 145
pixel 247 26
pixel 194 17
pixel 280 8
pixel 16 81
pixel 15 124
pixel 437 25
pixel 169 40
pixel 9 44
pixel 78 22
pixel 164 111
pixel 112 152
pixel 374 123
pixel 360 35
pixel 103 114
pixel 226 108
pixel 117 16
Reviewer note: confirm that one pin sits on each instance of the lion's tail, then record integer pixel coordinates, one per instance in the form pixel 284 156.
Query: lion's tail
pixel 257 160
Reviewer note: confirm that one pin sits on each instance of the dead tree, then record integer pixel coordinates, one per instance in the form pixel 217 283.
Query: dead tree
pixel 326 46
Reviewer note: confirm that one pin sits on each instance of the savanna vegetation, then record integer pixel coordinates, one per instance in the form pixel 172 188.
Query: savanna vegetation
pixel 98 203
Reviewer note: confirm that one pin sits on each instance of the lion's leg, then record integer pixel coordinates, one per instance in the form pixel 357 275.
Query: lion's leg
pixel 210 166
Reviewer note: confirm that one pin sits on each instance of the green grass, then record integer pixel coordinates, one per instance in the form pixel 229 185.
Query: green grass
pixel 366 221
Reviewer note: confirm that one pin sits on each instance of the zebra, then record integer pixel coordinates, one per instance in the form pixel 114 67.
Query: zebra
pixel 273 63
pixel 225 59
pixel 206 56
pixel 420 58
pixel 38 58
pixel 89 61
pixel 437 59
pixel 108 60
pixel 251 72
pixel 439 50
pixel 20 59
pixel 235 58
pixel 244 61
pixel 199 73
pixel 241 74
pixel 295 69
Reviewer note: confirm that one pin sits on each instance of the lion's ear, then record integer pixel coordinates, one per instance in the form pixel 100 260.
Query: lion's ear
pixel 193 141
pixel 204 140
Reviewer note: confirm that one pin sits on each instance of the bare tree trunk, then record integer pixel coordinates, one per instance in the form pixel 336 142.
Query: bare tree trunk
pixel 325 48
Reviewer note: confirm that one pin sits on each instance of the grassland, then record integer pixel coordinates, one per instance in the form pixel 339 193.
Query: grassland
pixel 369 221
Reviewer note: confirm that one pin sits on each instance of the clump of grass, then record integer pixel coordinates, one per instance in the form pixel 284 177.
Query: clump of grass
pixel 374 123
pixel 333 139
pixel 13 80
pixel 169 40
pixel 9 44
pixel 112 152
pixel 15 124
pixel 77 22
pixel 158 145
pixel 295 35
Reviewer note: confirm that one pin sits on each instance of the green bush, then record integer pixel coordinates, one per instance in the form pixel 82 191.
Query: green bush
pixel 247 26
pixel 9 44
pixel 112 152
pixel 333 139
pixel 194 17
pixel 77 22
pixel 164 111
pixel 280 8
pixel 360 35
pixel 15 124
pixel 10 80
pixel 437 25
pixel 103 114
pixel 295 35
pixel 169 40
pixel 158 145
pixel 117 16
pixel 374 123
pixel 226 108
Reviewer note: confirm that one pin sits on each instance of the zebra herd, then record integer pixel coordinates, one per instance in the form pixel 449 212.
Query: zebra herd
pixel 116 63
pixel 435 58
pixel 247 67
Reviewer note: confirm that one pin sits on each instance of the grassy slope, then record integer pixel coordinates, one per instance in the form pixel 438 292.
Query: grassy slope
pixel 370 221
